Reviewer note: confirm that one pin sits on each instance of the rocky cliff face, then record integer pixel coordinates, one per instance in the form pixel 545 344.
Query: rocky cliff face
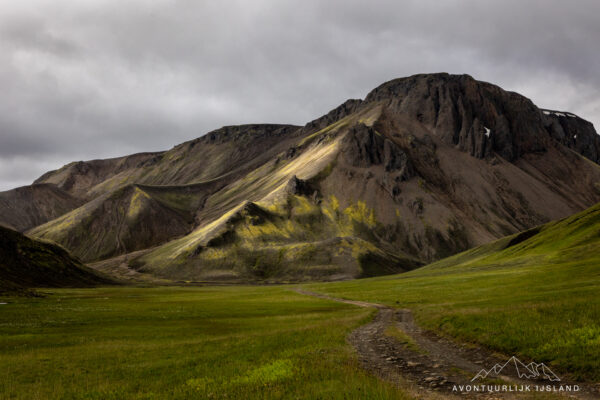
pixel 573 132
pixel 477 117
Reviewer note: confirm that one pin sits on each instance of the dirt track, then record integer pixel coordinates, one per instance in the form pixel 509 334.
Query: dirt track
pixel 427 365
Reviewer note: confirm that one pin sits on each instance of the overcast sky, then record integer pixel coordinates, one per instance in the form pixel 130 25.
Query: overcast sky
pixel 95 79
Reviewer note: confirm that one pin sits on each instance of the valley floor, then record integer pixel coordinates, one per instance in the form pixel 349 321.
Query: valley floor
pixel 219 342
pixel 180 343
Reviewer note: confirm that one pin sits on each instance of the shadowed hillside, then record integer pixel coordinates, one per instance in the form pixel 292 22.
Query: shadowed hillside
pixel 29 206
pixel 27 263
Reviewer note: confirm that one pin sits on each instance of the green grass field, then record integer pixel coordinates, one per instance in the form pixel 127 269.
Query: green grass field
pixel 536 295
pixel 157 343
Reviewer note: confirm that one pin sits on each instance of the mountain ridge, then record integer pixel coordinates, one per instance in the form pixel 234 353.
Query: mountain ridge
pixel 422 168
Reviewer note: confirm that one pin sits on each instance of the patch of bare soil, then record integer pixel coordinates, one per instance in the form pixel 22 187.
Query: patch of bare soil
pixel 395 349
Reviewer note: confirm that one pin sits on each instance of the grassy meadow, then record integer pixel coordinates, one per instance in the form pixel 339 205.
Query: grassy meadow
pixel 535 295
pixel 156 343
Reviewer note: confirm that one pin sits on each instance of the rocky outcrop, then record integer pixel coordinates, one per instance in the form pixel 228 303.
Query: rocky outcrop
pixel 300 187
pixel 477 117
pixel 573 132
pixel 346 108
pixel 363 147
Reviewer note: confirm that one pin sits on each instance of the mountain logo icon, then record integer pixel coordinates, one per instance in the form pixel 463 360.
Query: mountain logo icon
pixel 515 367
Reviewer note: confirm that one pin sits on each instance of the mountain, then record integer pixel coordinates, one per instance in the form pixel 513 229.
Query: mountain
pixel 29 206
pixel 223 154
pixel 422 168
pixel 27 263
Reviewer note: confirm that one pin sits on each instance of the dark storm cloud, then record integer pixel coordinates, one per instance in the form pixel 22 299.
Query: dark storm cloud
pixel 97 79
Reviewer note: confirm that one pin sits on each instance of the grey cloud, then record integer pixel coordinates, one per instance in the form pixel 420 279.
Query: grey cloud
pixel 98 78
pixel 17 171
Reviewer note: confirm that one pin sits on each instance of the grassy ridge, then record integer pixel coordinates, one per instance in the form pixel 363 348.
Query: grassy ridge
pixel 232 342
pixel 533 294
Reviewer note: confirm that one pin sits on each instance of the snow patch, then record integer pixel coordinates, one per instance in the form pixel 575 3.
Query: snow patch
pixel 575 137
pixel 487 131
pixel 559 114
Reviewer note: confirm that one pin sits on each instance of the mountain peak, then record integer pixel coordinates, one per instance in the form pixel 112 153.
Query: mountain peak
pixel 401 85
pixel 477 117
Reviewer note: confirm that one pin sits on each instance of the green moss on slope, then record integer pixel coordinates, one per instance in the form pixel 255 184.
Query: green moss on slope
pixel 294 238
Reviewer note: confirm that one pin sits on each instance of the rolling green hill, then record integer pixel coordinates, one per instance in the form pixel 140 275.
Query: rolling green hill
pixel 533 294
